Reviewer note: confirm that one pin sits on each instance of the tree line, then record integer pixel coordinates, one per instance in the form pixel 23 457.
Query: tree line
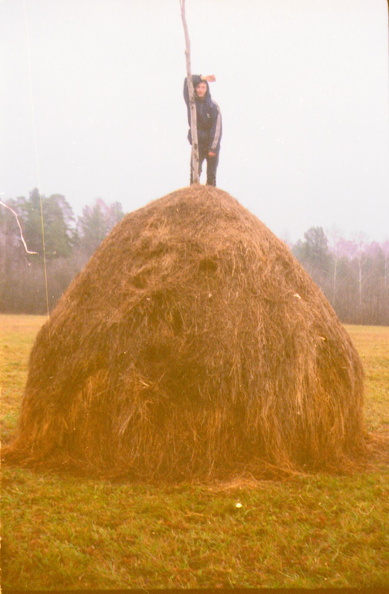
pixel 62 244
pixel 353 274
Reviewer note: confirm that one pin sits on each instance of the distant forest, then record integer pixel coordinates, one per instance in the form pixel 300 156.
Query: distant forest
pixel 353 274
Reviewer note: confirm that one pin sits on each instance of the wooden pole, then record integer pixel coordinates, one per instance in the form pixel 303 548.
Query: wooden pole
pixel 192 101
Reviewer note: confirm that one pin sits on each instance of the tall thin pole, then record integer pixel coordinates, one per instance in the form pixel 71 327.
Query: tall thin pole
pixel 192 101
pixel 37 159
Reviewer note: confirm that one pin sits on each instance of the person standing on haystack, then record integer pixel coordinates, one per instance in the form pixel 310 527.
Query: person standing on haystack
pixel 209 125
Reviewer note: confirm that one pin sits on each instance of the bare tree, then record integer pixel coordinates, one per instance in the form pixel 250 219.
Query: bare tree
pixel 192 101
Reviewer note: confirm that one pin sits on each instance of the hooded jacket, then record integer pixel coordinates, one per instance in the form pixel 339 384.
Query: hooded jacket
pixel 209 119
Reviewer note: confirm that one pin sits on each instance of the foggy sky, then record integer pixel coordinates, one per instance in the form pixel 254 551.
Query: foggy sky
pixel 91 105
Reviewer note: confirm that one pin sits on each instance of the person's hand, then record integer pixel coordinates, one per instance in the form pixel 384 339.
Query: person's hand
pixel 209 77
pixel 211 154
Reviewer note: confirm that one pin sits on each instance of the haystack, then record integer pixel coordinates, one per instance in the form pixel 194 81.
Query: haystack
pixel 192 345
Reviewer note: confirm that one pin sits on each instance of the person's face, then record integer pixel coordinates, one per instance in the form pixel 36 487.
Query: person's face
pixel 201 90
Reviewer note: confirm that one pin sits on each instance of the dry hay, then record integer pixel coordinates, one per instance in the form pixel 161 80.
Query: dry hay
pixel 193 344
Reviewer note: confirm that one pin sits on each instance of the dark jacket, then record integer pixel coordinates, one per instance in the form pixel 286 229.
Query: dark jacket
pixel 209 119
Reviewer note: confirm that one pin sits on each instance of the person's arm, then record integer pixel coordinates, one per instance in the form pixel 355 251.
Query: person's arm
pixel 216 130
pixel 196 78
pixel 208 77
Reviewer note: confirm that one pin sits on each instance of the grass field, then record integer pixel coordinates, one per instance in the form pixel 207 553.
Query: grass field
pixel 61 532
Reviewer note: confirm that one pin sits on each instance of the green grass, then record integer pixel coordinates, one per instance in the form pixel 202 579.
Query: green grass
pixel 63 532
pixel 372 343
pixel 17 334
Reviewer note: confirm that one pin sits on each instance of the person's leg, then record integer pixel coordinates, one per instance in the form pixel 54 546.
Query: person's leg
pixel 212 163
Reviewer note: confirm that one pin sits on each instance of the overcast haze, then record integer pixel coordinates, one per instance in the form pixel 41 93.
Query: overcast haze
pixel 302 85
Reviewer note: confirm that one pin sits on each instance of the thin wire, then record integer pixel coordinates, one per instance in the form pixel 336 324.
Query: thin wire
pixel 36 156
pixel 20 227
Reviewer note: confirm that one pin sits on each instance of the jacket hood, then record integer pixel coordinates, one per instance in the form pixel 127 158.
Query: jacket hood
pixel 208 93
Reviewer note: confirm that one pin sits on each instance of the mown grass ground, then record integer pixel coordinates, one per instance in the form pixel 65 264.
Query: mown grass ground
pixel 62 532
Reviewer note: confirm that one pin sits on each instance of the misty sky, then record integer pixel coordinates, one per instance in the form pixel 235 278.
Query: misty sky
pixel 91 105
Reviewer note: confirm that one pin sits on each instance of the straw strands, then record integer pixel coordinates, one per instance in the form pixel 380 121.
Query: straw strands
pixel 192 345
